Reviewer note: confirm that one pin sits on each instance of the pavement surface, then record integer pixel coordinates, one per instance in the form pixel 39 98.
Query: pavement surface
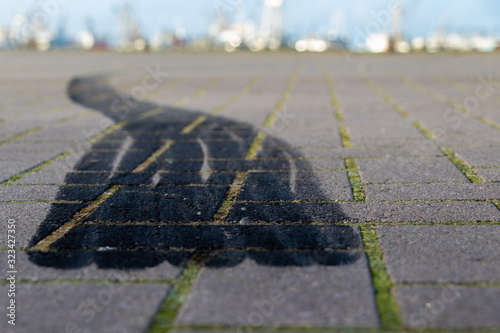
pixel 249 192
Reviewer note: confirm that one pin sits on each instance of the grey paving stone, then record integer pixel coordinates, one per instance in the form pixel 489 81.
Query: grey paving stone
pixel 391 142
pixel 454 254
pixel 353 152
pixel 28 218
pixel 43 178
pixel 306 138
pixel 409 170
pixel 486 137
pixel 50 193
pixel 428 307
pixel 366 212
pixel 476 191
pixel 482 157
pixel 33 270
pixel 39 146
pixel 282 296
pixel 273 186
pixel 376 129
pixel 113 308
pixel 489 175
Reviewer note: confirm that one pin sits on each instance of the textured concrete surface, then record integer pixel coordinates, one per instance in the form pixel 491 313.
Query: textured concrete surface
pixel 250 192
pixel 312 295
pixel 441 254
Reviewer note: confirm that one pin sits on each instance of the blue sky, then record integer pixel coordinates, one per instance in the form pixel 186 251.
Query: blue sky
pixel 301 17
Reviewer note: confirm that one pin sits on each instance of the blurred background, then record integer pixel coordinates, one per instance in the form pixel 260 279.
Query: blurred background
pixel 374 26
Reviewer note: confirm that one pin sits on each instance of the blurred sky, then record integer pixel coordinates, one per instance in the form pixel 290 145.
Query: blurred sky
pixel 301 17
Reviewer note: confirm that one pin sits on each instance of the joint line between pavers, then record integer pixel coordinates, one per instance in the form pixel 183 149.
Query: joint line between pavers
pixel 461 165
pixel 345 137
pixel 76 117
pixel 246 89
pixel 230 200
pixel 389 313
pixel 257 142
pixel 436 96
pixel 339 114
pixel 87 281
pixel 163 321
pixel 357 188
pixel 488 122
pixel 448 284
pixel 20 135
pixel 36 168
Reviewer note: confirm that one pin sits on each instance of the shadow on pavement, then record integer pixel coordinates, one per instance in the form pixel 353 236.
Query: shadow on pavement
pixel 166 211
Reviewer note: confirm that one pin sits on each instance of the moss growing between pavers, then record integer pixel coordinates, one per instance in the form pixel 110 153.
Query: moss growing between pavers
pixel 488 122
pixel 458 106
pixel 20 135
pixel 36 168
pixel 232 193
pixel 256 144
pixel 339 115
pixel 164 320
pixel 188 129
pixel 386 98
pixel 461 165
pixel 352 172
pixel 345 137
pixel 424 130
pixel 390 316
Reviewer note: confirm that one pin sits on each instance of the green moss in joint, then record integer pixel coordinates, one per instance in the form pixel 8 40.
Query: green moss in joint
pixel 458 106
pixel 36 168
pixel 352 171
pixel 424 130
pixel 390 317
pixel 401 111
pixel 164 320
pixel 20 135
pixel 488 122
pixel 461 165
pixel 345 137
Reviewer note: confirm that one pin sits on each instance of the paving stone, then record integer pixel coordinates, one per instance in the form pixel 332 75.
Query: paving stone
pixel 43 178
pixel 476 191
pixel 391 142
pixel 428 307
pixel 50 193
pixel 314 295
pixel 274 186
pixel 376 129
pixel 452 254
pixel 351 152
pixel 480 156
pixel 489 175
pixel 78 265
pixel 409 170
pixel 305 138
pixel 366 212
pixel 29 216
pixel 117 308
